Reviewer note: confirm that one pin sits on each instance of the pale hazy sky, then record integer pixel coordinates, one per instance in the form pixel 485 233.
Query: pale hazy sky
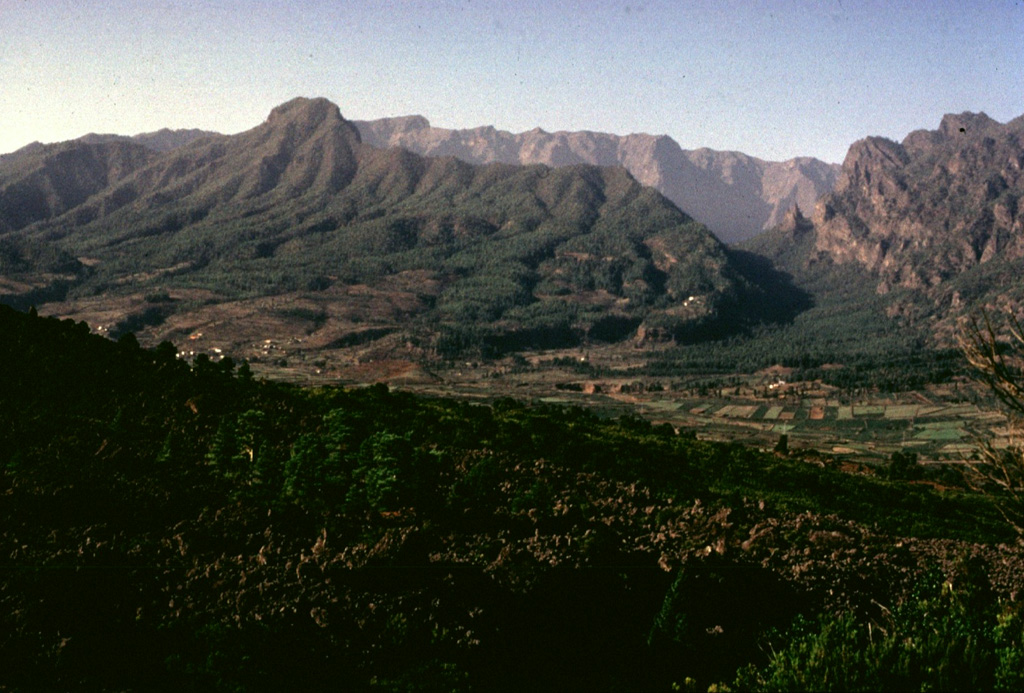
pixel 772 79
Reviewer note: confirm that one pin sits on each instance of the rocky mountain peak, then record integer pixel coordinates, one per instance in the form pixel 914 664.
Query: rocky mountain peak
pixel 794 221
pixel 869 160
pixel 966 123
pixel 309 115
pixel 954 128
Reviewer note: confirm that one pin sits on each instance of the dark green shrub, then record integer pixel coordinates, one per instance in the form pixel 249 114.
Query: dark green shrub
pixel 943 637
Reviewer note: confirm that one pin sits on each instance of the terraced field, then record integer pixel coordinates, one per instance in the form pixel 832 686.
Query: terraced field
pixel 868 430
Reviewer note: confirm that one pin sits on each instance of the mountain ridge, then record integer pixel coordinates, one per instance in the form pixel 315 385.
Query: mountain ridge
pixel 299 206
pixel 757 193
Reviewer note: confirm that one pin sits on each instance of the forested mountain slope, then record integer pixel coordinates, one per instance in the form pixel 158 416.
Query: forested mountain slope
pixel 300 207
pixel 48 181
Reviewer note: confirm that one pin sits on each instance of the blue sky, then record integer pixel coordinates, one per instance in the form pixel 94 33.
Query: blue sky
pixel 772 79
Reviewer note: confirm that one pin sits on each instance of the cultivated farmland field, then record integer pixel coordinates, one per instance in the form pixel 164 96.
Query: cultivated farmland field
pixel 941 425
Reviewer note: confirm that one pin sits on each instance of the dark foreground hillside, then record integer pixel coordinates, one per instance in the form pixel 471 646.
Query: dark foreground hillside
pixel 189 528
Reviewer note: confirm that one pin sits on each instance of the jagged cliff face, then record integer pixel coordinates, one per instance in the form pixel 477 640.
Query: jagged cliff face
pixel 919 213
pixel 735 195
pixel 932 226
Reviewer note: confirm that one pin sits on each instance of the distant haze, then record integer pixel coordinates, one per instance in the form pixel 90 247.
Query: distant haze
pixel 775 81
pixel 734 195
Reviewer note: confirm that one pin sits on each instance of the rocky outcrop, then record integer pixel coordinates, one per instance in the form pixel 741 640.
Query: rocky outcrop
pixel 922 212
pixel 735 195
